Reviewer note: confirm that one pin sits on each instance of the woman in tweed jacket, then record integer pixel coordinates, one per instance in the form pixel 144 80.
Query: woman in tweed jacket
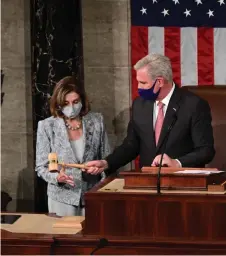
pixel 76 135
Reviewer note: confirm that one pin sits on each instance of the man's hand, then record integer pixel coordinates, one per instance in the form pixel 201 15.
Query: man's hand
pixel 167 161
pixel 96 167
pixel 64 178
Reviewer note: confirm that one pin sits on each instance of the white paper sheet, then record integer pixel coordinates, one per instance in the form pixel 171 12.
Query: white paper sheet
pixel 198 171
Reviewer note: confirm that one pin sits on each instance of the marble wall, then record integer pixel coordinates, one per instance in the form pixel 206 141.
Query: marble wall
pixel 57 49
pixel 17 176
pixel 106 47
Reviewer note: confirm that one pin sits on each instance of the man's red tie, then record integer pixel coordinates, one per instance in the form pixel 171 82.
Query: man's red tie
pixel 159 122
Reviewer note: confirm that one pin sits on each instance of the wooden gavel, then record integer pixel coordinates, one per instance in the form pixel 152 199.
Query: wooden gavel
pixel 53 163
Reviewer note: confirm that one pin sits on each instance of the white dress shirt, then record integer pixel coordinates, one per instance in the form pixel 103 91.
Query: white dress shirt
pixel 165 101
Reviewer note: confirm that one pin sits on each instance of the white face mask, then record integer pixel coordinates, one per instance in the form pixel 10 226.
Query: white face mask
pixel 72 111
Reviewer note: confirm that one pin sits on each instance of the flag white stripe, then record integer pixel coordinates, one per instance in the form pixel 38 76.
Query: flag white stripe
pixel 220 56
pixel 189 65
pixel 189 70
pixel 156 40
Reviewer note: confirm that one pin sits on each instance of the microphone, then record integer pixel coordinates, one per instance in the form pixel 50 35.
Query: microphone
pixel 53 246
pixel 164 148
pixel 102 243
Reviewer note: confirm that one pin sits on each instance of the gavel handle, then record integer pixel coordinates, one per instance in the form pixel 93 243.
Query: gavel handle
pixel 79 166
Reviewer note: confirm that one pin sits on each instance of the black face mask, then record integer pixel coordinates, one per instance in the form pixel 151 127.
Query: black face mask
pixel 149 94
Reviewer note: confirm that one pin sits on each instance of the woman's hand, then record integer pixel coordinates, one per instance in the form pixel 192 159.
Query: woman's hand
pixel 64 178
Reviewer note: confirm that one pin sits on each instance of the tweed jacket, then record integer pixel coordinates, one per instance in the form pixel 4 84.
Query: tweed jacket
pixel 52 137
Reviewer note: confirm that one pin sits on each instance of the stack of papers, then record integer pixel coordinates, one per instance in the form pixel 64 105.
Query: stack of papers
pixel 198 171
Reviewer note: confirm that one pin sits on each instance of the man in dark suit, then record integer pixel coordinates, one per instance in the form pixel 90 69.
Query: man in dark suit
pixel 162 103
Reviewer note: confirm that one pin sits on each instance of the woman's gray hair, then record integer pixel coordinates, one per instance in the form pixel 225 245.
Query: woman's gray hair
pixel 157 65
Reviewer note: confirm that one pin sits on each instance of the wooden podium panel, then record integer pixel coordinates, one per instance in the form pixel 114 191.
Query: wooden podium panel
pixel 42 244
pixel 134 223
pixel 180 216
pixel 171 178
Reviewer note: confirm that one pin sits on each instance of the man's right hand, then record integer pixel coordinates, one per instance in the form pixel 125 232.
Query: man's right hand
pixel 96 167
pixel 64 178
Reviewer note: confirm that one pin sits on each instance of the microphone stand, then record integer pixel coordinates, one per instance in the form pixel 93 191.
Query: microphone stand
pixel 164 148
pixel 53 246
pixel 102 243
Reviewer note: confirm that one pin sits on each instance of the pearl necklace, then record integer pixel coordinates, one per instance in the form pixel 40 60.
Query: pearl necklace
pixel 77 127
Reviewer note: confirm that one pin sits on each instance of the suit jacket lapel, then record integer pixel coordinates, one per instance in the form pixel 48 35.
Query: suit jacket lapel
pixel 62 139
pixel 147 112
pixel 173 104
pixel 88 130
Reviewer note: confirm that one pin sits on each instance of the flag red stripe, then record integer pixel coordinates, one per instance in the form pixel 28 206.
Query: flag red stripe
pixel 172 50
pixel 205 58
pixel 139 49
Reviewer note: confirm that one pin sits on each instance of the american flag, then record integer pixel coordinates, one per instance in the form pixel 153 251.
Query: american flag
pixel 192 33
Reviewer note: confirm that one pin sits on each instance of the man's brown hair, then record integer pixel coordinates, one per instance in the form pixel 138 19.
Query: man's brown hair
pixel 67 85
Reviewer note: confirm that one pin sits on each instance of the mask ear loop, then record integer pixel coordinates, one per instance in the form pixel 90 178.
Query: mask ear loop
pixel 154 85
pixel 59 110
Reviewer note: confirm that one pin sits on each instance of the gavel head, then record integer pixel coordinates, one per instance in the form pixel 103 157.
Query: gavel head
pixel 53 162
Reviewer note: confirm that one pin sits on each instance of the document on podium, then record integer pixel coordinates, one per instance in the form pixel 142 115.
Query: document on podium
pixel 199 171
